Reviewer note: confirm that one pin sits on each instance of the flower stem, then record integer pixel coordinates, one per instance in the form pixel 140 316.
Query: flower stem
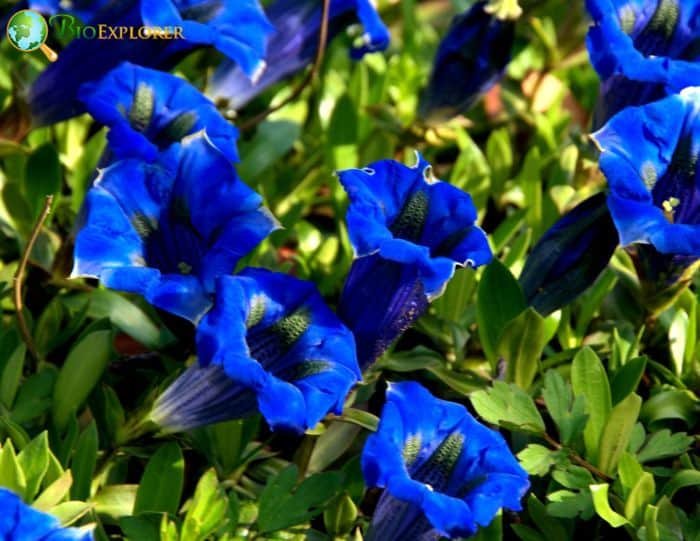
pixel 19 279
pixel 309 79
pixel 577 459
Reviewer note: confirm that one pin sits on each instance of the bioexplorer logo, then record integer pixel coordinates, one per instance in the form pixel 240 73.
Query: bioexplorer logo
pixel 27 31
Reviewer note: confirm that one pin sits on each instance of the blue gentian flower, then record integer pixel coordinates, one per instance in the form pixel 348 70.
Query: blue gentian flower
pixel 238 29
pixel 444 474
pixel 85 10
pixel 649 155
pixel 643 50
pixel 409 232
pixel 148 110
pixel 20 522
pixel 471 59
pixel 271 344
pixel 166 230
pixel 294 44
pixel 569 257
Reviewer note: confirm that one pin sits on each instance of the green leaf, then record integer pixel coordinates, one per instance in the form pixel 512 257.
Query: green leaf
pixel 337 438
pixel 536 459
pixel 70 512
pixel 35 395
pixel 670 405
pixel 34 462
pixel 43 176
pixel 11 475
pixel 508 406
pixel 627 378
pixel 339 517
pixel 629 472
pixel 207 510
pixel 161 485
pixel 499 153
pixel 551 527
pixel 116 501
pixel 568 413
pixel 588 379
pixel 499 299
pixel 126 316
pixel 681 479
pixel 11 375
pixel 663 444
pixel 639 497
pixel 273 139
pixel 521 345
pixel 282 506
pixel 54 493
pixel 602 506
pixel 80 373
pixel 84 462
pixel 616 433
pixel 142 529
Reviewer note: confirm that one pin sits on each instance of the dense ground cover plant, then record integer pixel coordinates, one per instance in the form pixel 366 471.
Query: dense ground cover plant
pixel 340 269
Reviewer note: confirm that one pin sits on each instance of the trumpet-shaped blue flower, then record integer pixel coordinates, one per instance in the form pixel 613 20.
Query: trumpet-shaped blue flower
pixel 269 343
pixel 20 522
pixel 643 50
pixel 85 10
pixel 148 110
pixel 294 44
pixel 409 232
pixel 238 29
pixel 167 229
pixel 649 155
pixel 471 59
pixel 444 474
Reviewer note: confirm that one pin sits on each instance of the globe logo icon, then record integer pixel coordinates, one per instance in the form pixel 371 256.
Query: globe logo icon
pixel 27 31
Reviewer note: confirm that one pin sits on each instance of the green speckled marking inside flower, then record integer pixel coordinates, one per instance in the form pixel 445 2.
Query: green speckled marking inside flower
pixel 411 449
pixel 180 126
pixel 649 175
pixel 143 225
pixel 142 107
pixel 627 19
pixel 411 219
pixel 436 471
pixel 256 312
pixel 665 18
pixel 290 328
pixel 305 370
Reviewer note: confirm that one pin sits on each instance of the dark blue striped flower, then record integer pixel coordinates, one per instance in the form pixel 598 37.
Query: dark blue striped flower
pixel 238 29
pixel 148 110
pixel 649 155
pixel 643 50
pixel 471 59
pixel 270 344
pixel 294 43
pixel 167 229
pixel 409 232
pixel 20 522
pixel 444 474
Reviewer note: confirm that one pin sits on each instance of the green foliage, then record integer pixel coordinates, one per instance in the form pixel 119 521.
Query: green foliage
pixel 599 400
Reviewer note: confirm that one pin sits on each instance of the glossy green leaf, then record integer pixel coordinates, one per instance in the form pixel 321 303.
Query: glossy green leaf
pixel 521 345
pixel 161 486
pixel 616 433
pixel 80 373
pixel 282 505
pixel 508 406
pixel 589 380
pixel 499 299
pixel 567 412
pixel 602 506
